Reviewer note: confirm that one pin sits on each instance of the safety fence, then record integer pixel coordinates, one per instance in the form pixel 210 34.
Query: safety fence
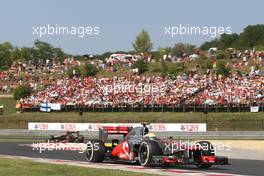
pixel 155 108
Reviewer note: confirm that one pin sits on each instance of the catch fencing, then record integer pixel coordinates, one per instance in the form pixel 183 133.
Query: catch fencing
pixel 154 108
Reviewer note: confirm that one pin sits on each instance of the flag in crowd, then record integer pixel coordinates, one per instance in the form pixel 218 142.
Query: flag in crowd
pixel 47 107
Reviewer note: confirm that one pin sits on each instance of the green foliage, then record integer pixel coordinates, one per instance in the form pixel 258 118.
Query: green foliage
pixel 252 36
pixel 222 69
pixel 205 63
pixel 22 91
pixel 210 44
pixel 228 41
pixel 105 55
pixel 40 50
pixel 44 50
pixel 143 43
pixel 74 71
pixel 58 53
pixel 165 67
pixel 180 48
pixel 175 69
pixel 208 63
pixel 158 55
pixel 89 70
pixel 155 67
pixel 222 55
pixel 6 50
pixel 141 65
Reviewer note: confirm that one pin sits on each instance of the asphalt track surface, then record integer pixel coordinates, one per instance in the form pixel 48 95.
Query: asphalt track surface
pixel 238 166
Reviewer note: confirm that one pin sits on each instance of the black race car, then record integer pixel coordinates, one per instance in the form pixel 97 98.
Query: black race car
pixel 69 136
pixel 141 146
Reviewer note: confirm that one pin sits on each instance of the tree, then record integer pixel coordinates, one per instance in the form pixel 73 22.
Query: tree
pixel 221 55
pixel 5 55
pixel 141 65
pixel 41 50
pixel 27 53
pixel 221 69
pixel 155 67
pixel 143 43
pixel 180 48
pixel 205 62
pixel 252 36
pixel 58 53
pixel 74 71
pixel 210 44
pixel 228 40
pixel 89 70
pixel 175 69
pixel 164 67
pixel 22 92
pixel 15 54
pixel 45 50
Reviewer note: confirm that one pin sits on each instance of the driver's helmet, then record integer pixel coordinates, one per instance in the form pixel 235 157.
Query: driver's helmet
pixel 151 136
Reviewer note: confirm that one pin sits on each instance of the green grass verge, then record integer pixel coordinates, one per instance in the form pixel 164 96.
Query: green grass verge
pixel 9 105
pixel 19 167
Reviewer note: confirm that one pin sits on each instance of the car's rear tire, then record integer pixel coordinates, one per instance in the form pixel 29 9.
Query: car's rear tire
pixel 80 139
pixel 95 151
pixel 208 149
pixel 147 150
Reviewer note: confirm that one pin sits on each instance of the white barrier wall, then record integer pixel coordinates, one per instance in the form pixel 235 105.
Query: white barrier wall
pixel 155 127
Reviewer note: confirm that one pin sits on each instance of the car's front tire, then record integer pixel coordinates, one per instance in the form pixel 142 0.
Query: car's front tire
pixel 147 150
pixel 95 151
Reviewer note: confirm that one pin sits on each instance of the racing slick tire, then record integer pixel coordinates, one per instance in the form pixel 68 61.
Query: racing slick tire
pixel 68 138
pixel 95 151
pixel 147 150
pixel 50 138
pixel 80 139
pixel 208 149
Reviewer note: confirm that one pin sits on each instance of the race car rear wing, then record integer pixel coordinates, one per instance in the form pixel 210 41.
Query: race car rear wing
pixel 104 131
pixel 117 130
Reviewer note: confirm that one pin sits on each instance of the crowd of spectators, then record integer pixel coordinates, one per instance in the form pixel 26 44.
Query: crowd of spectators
pixel 136 90
pixel 246 58
pixel 34 73
pixel 234 90
pixel 149 90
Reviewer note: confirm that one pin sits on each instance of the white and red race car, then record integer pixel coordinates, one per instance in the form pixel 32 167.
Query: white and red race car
pixel 140 146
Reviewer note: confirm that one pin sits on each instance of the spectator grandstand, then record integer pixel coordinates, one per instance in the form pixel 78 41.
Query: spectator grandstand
pixel 136 90
pixel 49 83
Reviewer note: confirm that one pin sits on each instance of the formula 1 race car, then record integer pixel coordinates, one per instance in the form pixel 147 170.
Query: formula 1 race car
pixel 69 136
pixel 142 147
